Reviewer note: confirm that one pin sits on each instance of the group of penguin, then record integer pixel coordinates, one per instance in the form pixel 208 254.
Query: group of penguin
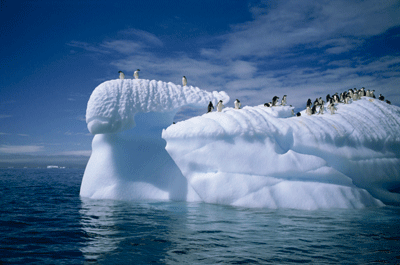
pixel 346 97
pixel 318 106
pixel 220 106
pixel 136 76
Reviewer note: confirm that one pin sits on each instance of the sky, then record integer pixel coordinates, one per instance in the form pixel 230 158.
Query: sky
pixel 53 54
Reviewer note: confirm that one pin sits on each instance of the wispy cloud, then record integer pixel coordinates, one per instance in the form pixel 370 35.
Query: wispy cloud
pixel 144 36
pixel 4 116
pixel 289 47
pixel 20 149
pixel 75 153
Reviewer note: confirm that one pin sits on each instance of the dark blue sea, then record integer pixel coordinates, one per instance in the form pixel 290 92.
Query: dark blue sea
pixel 44 221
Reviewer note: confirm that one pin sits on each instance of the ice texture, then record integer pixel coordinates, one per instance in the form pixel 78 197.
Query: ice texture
pixel 250 157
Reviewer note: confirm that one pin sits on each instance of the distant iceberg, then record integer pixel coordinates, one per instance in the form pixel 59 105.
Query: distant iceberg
pixel 252 157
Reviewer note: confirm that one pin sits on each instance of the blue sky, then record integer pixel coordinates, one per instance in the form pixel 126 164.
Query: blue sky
pixel 54 53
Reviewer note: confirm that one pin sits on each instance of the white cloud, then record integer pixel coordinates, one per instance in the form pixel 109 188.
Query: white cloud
pixel 143 35
pixel 75 153
pixel 20 149
pixel 290 47
pixel 3 116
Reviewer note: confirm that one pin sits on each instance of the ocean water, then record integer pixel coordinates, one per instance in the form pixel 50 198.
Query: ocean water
pixel 44 221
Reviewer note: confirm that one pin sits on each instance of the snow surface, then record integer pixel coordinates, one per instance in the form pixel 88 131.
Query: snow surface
pixel 252 157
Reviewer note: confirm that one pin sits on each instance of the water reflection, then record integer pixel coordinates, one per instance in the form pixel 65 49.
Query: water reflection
pixel 188 233
pixel 99 222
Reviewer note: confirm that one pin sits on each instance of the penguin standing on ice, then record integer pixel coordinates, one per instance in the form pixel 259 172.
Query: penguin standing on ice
pixel 121 75
pixel 136 74
pixel 275 101
pixel 237 104
pixel 210 107
pixel 382 98
pixel 220 106
pixel 283 101
pixel 332 107
pixel 308 110
pixel 321 109
pixel 184 81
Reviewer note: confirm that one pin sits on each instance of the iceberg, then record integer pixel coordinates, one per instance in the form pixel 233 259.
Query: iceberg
pixel 251 157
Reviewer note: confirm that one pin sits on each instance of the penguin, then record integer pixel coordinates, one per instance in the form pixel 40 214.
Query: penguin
pixel 121 75
pixel 342 96
pixel 314 109
pixel 220 106
pixel 347 99
pixel 336 98
pixel 298 114
pixel 283 101
pixel 381 98
pixel 360 94
pixel 136 74
pixel 363 93
pixel 328 97
pixel 321 109
pixel 210 107
pixel 367 94
pixel 316 102
pixel 309 103
pixel 274 101
pixel 184 81
pixel 320 101
pixel 388 102
pixel 237 104
pixel 267 104
pixel 332 107
pixel 355 94
pixel 372 93
pixel 308 110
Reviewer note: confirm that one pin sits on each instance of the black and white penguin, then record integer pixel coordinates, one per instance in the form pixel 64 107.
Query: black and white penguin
pixel 275 101
pixel 347 99
pixel 314 109
pixel 320 101
pixel 332 107
pixel 363 93
pixel 388 102
pixel 372 93
pixel 321 109
pixel 309 103
pixel 298 114
pixel 237 104
pixel 210 107
pixel 136 74
pixel 328 97
pixel 308 110
pixel 184 81
pixel 316 102
pixel 268 104
pixel 382 98
pixel 283 101
pixel 336 98
pixel 121 75
pixel 220 106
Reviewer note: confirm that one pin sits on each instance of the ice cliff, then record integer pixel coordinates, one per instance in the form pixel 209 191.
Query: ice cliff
pixel 252 157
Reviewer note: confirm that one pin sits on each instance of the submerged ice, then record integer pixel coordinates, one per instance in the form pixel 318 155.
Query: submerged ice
pixel 253 157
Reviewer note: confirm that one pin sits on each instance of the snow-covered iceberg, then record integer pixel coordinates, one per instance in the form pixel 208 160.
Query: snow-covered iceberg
pixel 253 157
pixel 133 164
